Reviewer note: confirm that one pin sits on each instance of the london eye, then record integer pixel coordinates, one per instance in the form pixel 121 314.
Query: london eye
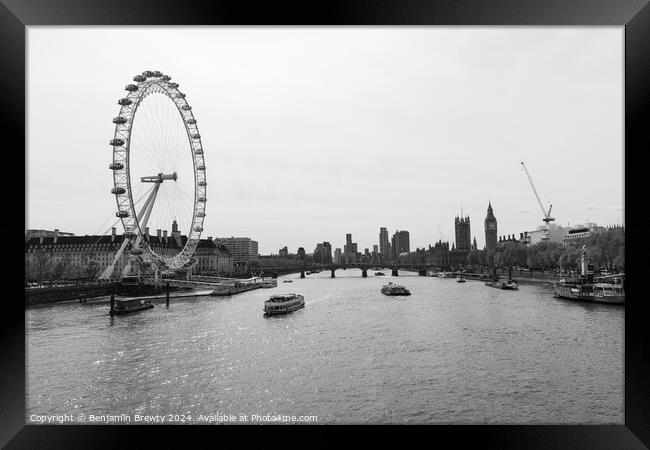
pixel 157 160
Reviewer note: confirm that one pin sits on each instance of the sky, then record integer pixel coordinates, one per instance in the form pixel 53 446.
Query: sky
pixel 310 133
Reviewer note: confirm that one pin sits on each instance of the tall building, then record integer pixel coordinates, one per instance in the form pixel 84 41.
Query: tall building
pixel 463 233
pixel 383 242
pixel 242 250
pixel 350 249
pixel 400 243
pixel 337 256
pixel 490 229
pixel 301 253
pixel 323 253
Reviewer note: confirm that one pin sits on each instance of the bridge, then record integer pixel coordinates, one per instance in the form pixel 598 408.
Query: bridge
pixel 420 268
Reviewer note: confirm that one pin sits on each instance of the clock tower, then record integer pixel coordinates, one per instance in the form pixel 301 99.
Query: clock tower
pixel 490 229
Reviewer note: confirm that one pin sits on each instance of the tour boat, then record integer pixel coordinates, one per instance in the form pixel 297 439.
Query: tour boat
pixel 287 281
pixel 126 306
pixel 581 290
pixel 508 285
pixel 394 289
pixel 283 304
pixel 460 279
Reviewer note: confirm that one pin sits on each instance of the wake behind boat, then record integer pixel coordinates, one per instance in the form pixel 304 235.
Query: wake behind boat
pixel 508 285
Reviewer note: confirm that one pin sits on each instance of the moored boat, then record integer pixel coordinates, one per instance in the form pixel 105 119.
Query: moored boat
pixel 394 289
pixel 288 281
pixel 445 275
pixel 582 290
pixel 283 304
pixel 460 279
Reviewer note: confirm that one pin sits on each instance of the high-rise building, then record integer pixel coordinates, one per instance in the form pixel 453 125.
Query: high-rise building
pixel 400 243
pixel 350 249
pixel 301 253
pixel 490 229
pixel 383 242
pixel 323 253
pixel 463 233
pixel 337 256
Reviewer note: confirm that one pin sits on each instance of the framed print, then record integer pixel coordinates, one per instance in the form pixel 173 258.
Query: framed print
pixel 372 214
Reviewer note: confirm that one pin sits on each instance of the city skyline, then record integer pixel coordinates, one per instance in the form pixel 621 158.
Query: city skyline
pixel 398 115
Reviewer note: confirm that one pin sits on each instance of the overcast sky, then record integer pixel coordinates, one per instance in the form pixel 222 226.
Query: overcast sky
pixel 312 133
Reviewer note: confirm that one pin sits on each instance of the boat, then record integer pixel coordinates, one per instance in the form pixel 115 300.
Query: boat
pixel 288 281
pixel 269 283
pixel 394 289
pixel 445 275
pixel 379 274
pixel 583 290
pixel 460 279
pixel 130 305
pixel 506 285
pixel 605 289
pixel 283 304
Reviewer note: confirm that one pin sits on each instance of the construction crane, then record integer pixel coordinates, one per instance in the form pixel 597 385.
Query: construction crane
pixel 441 236
pixel 547 214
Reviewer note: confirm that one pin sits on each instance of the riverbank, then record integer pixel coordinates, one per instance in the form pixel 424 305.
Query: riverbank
pixel 520 277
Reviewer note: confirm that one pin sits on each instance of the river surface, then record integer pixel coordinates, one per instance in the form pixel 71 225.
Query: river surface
pixel 450 353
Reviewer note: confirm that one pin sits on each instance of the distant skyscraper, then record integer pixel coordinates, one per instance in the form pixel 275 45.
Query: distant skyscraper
pixel 323 253
pixel 463 233
pixel 383 242
pixel 350 249
pixel 400 243
pixel 490 229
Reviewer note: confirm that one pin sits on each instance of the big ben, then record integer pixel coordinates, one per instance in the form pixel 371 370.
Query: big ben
pixel 490 229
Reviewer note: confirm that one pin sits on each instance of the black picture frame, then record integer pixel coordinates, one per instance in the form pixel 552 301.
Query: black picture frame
pixel 634 15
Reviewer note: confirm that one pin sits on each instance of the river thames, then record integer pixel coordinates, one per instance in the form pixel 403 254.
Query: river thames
pixel 450 353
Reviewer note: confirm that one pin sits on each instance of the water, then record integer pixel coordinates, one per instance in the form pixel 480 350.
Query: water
pixel 450 353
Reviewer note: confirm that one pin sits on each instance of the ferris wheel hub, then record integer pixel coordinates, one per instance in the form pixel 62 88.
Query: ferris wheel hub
pixel 159 178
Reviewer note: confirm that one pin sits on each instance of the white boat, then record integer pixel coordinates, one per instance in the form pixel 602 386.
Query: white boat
pixel 283 304
pixel 445 275
pixel 394 289
pixel 460 279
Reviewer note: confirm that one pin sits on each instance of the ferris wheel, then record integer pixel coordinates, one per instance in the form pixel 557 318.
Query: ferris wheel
pixel 158 161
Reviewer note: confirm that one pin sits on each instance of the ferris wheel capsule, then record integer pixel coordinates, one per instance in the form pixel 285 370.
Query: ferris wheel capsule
pixel 116 142
pixel 180 95
pixel 201 199
pixel 157 73
pixel 186 107
pixel 174 85
pixel 165 78
pixel 196 136
pixel 122 214
pixel 201 167
pixel 139 78
pixel 124 102
pixel 198 151
pixel 119 120
pixel 118 190
pixel 147 73
pixel 116 166
pixel 202 183
pixel 131 87
pixel 191 121
pixel 200 214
